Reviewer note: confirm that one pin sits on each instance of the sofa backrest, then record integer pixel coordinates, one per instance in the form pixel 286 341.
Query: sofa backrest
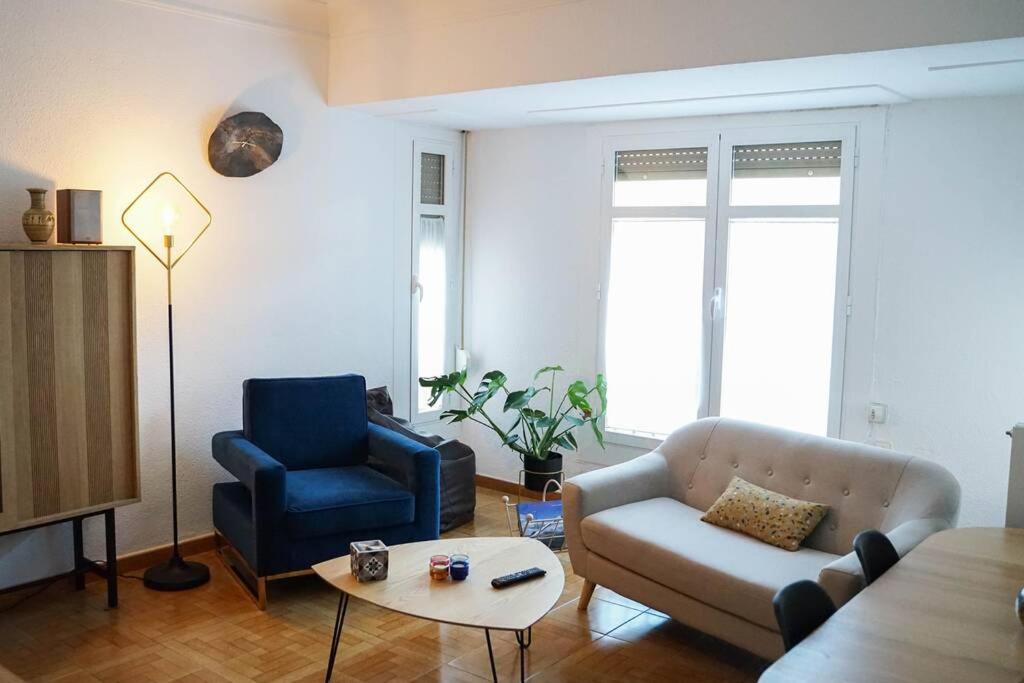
pixel 865 487
pixel 307 422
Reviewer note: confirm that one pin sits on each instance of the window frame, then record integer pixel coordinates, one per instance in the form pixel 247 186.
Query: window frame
pixel 450 212
pixel 717 213
pixel 609 213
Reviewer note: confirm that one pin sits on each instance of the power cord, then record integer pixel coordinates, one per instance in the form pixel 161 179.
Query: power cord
pixel 29 596
pixel 43 587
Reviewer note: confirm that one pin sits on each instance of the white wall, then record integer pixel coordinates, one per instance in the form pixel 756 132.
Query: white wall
pixel 936 275
pixel 396 49
pixel 293 278
pixel 531 220
pixel 949 355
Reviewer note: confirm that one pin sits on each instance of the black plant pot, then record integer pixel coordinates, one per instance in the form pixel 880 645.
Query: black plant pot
pixel 539 472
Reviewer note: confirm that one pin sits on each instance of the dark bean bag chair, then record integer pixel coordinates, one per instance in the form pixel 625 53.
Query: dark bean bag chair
pixel 458 462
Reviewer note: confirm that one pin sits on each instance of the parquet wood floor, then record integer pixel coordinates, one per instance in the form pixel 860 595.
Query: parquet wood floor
pixel 214 634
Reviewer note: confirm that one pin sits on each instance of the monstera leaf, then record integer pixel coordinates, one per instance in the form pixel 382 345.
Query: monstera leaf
pixel 534 432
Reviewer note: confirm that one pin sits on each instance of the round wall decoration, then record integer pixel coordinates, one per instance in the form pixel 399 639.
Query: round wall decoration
pixel 244 144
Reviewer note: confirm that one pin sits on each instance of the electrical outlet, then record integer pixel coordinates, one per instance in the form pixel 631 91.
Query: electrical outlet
pixel 878 413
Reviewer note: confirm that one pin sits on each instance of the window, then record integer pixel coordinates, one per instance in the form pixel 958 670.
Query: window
pixel 434 282
pixel 656 264
pixel 726 271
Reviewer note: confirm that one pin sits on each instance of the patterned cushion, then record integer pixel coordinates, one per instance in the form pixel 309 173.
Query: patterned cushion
pixel 767 516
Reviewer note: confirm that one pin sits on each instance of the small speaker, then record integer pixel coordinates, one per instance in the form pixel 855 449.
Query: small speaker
pixel 78 217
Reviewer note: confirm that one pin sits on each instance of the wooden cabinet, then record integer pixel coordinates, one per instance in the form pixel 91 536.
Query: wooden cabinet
pixel 68 409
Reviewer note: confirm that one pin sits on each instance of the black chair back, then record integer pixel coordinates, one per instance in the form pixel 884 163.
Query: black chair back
pixel 800 608
pixel 876 554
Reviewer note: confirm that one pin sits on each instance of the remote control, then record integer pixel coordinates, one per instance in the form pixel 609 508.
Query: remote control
pixel 517 577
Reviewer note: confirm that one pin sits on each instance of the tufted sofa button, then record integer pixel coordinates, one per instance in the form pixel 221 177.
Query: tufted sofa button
pixel 735 465
pixel 690 486
pixel 807 480
pixel 885 504
pixel 833 527
pixel 770 473
pixel 703 456
pixel 846 492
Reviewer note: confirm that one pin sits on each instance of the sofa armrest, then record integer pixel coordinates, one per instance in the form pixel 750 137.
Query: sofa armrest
pixel 639 479
pixel 416 467
pixel 843 578
pixel 259 472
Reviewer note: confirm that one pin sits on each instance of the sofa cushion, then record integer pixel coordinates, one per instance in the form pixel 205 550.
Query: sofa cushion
pixel 665 541
pixel 307 422
pixel 332 500
pixel 765 515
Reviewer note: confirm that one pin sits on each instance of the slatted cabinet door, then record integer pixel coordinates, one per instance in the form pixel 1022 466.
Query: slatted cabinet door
pixel 8 398
pixel 68 414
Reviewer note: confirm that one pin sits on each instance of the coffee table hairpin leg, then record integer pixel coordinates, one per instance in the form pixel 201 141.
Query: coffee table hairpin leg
pixel 524 639
pixel 339 621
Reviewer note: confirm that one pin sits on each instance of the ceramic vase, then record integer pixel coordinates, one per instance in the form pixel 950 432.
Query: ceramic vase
pixel 38 221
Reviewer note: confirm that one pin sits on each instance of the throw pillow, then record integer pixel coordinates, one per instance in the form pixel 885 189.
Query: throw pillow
pixel 401 427
pixel 766 515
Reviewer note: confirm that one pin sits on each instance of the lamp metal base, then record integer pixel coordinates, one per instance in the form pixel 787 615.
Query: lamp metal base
pixel 176 575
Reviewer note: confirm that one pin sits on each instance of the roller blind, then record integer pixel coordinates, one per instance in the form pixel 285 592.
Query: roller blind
pixel 787 160
pixel 661 164
pixel 431 178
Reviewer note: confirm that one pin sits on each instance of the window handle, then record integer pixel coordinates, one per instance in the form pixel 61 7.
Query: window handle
pixel 416 286
pixel 715 305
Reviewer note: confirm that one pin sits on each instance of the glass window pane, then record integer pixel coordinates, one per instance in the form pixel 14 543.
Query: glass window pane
pixel 780 302
pixel 786 174
pixel 431 337
pixel 431 178
pixel 653 332
pixel 661 177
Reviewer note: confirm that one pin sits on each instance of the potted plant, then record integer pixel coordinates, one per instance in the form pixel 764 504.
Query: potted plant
pixel 535 435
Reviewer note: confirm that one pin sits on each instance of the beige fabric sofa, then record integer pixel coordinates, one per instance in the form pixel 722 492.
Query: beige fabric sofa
pixel 635 528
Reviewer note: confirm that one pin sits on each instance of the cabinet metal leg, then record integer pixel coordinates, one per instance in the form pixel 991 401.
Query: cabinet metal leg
pixel 76 532
pixel 83 564
pixel 108 518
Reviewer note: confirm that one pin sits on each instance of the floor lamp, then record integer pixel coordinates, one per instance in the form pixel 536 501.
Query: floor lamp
pixel 167 208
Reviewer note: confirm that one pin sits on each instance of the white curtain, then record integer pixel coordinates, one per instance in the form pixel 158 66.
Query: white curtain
pixel 432 301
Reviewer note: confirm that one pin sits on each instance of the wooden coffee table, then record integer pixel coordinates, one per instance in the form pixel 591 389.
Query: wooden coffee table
pixel 473 602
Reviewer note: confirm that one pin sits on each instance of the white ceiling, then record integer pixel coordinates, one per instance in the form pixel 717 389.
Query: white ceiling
pixel 305 17
pixel 870 78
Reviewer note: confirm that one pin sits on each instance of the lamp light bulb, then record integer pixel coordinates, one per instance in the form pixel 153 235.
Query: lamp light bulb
pixel 170 218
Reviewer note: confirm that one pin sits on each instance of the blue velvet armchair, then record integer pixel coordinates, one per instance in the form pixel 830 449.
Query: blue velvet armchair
pixel 312 476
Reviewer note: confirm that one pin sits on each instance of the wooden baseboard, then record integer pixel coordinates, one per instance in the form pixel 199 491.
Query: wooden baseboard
pixel 146 558
pixel 510 487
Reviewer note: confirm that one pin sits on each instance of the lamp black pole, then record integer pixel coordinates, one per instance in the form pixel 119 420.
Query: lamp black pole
pixel 176 574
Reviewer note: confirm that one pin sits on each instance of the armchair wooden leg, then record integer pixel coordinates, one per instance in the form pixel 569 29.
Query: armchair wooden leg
pixel 585 594
pixel 261 593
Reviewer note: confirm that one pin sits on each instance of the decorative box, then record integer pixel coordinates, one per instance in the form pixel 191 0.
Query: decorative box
pixel 369 560
pixel 78 217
